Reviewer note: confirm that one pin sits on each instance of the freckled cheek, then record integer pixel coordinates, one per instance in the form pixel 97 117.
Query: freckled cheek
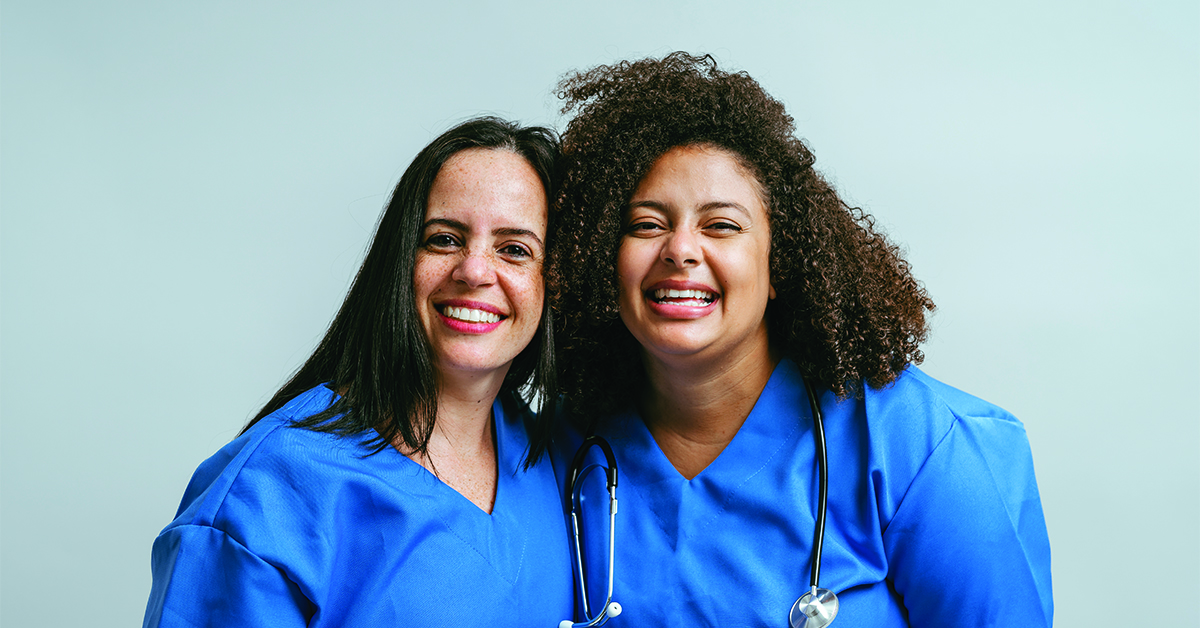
pixel 429 276
pixel 527 290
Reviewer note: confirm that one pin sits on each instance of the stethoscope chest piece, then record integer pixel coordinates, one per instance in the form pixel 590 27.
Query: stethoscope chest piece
pixel 814 609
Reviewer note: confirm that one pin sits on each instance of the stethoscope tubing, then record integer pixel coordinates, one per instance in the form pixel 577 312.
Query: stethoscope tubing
pixel 574 487
pixel 822 484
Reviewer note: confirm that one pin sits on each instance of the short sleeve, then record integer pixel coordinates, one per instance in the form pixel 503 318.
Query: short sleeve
pixel 202 577
pixel 968 544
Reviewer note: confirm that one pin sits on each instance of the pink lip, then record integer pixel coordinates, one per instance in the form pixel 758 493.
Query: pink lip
pixel 670 310
pixel 464 326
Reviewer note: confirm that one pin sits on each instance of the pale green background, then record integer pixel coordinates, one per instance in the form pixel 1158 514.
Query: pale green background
pixel 188 187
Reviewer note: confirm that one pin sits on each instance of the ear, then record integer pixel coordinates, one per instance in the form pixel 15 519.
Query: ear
pixel 771 292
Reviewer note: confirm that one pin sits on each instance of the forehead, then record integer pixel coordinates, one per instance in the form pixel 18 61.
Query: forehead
pixel 704 172
pixel 482 169
pixel 495 184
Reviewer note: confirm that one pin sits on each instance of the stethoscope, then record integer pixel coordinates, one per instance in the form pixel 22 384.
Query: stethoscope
pixel 815 609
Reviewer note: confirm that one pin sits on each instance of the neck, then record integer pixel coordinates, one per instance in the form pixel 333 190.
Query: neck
pixel 694 410
pixel 461 450
pixel 465 403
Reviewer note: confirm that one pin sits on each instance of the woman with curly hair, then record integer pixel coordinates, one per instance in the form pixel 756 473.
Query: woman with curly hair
pixel 398 477
pixel 715 298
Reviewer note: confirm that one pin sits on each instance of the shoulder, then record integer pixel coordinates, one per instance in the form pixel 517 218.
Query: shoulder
pixel 919 427
pixel 270 454
pixel 956 401
pixel 963 517
pixel 918 406
pixel 287 494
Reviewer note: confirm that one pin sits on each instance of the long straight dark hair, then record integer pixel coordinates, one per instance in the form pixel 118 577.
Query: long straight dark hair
pixel 376 352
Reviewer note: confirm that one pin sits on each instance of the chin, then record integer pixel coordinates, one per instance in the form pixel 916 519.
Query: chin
pixel 471 362
pixel 676 347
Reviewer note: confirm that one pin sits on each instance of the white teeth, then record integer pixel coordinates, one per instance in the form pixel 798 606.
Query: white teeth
pixel 665 293
pixel 470 315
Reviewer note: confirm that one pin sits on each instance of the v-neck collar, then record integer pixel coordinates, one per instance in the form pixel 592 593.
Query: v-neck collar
pixel 766 430
pixel 773 428
pixel 508 440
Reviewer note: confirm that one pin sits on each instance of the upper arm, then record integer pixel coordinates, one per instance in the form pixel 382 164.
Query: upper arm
pixel 202 577
pixel 968 543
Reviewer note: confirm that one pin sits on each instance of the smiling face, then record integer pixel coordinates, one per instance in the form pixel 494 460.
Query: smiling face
pixel 478 279
pixel 693 265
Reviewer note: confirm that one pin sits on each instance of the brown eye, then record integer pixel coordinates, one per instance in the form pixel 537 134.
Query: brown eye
pixel 441 241
pixel 643 226
pixel 516 251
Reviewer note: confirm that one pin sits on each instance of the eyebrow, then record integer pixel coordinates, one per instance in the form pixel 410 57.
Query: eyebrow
pixel 499 231
pixel 705 207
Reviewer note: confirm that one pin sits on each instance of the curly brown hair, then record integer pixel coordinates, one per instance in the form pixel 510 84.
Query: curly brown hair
pixel 847 310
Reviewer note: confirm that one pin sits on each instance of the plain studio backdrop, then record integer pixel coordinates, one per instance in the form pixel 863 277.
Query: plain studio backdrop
pixel 188 189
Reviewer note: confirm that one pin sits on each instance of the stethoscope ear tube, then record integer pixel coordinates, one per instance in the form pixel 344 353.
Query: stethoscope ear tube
pixel 577 465
pixel 575 475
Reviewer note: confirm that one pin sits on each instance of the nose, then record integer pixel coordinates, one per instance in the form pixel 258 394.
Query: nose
pixel 476 268
pixel 681 249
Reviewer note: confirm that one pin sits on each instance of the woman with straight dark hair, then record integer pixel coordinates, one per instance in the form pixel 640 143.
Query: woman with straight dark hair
pixel 398 478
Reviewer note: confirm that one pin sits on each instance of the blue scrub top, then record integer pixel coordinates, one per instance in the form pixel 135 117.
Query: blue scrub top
pixel 290 527
pixel 933 518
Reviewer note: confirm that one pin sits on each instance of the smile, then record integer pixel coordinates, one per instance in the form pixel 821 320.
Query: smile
pixel 687 298
pixel 470 315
